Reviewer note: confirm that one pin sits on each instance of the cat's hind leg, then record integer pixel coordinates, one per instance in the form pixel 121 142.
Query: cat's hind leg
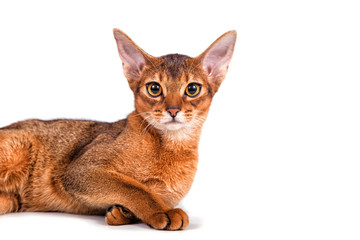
pixel 15 155
pixel 8 203
pixel 15 158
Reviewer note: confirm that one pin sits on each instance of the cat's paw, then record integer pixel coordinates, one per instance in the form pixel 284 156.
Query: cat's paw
pixel 119 215
pixel 174 219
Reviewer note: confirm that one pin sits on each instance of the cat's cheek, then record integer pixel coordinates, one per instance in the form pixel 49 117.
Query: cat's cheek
pixel 144 104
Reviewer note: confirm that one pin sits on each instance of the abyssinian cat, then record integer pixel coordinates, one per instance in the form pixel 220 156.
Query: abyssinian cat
pixel 137 169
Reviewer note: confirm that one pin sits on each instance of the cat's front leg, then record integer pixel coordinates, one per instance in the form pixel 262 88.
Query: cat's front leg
pixel 119 215
pixel 102 188
pixel 173 219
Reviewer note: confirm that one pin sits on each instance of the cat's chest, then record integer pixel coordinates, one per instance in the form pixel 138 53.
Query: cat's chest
pixel 177 173
pixel 168 174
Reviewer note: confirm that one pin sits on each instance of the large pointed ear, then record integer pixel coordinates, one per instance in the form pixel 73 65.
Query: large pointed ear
pixel 133 58
pixel 215 60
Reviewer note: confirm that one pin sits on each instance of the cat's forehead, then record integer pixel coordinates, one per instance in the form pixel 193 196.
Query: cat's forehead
pixel 174 70
pixel 175 65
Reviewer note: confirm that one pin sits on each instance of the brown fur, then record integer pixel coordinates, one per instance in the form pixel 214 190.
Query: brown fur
pixel 130 170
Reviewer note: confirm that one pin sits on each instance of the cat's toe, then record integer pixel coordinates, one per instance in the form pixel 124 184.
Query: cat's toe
pixel 119 215
pixel 174 219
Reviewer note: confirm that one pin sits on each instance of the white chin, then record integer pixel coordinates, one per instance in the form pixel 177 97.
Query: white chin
pixel 173 126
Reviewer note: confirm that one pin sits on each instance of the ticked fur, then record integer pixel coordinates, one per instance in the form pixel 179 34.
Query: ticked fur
pixel 137 169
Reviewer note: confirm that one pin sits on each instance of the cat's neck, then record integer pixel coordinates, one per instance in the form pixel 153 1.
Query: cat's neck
pixel 184 138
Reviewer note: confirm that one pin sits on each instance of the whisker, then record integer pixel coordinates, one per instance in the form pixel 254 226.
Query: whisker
pixel 144 121
pixel 140 114
pixel 148 127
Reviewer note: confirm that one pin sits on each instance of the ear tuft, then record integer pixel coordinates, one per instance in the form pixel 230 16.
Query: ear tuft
pixel 133 58
pixel 215 60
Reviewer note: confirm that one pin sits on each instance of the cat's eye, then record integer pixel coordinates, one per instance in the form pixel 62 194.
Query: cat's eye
pixel 193 89
pixel 154 89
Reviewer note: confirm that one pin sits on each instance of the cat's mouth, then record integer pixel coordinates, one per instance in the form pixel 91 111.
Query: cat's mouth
pixel 173 124
pixel 173 121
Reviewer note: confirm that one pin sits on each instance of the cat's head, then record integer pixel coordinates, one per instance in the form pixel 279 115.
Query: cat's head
pixel 173 93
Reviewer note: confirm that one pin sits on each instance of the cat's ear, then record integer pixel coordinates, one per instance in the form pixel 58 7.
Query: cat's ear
pixel 133 58
pixel 216 58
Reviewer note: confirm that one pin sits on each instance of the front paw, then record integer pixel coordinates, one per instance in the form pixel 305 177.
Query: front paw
pixel 174 219
pixel 119 215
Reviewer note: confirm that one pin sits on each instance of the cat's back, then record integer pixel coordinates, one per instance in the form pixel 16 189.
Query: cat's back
pixel 63 138
pixel 52 126
pixel 66 128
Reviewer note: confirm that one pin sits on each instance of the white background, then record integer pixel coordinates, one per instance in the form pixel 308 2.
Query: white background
pixel 279 154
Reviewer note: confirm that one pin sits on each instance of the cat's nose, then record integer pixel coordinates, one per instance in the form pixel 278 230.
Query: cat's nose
pixel 173 111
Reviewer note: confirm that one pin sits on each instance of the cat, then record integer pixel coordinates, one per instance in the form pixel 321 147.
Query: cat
pixel 132 170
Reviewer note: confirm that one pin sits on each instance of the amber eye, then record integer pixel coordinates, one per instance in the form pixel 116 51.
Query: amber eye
pixel 154 89
pixel 193 89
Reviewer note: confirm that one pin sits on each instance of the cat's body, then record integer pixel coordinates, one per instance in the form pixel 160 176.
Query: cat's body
pixel 134 169
pixel 51 146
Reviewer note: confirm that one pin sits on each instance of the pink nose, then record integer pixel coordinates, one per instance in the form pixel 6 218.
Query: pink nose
pixel 173 111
